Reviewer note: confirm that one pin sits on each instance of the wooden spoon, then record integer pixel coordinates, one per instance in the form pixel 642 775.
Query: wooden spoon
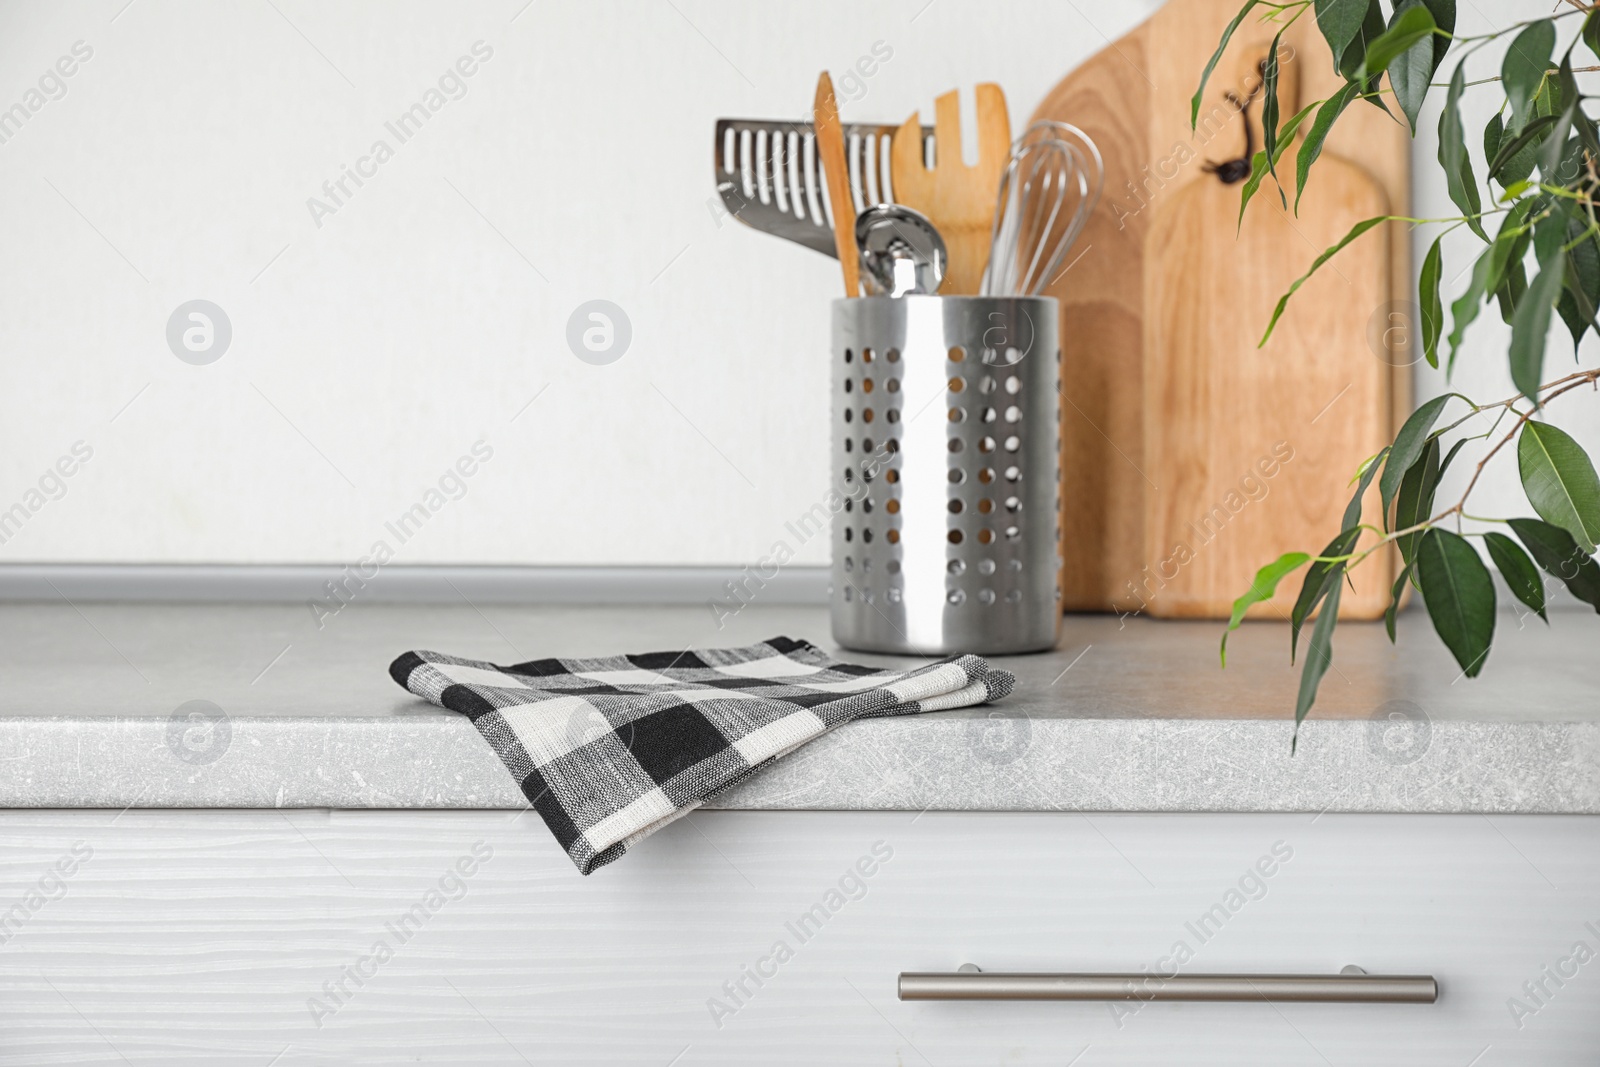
pixel 830 153
pixel 958 199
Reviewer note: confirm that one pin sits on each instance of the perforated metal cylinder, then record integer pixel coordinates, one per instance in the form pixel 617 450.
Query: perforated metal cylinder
pixel 946 454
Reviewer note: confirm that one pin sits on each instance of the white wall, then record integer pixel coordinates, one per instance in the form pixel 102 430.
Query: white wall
pixel 375 350
pixel 371 352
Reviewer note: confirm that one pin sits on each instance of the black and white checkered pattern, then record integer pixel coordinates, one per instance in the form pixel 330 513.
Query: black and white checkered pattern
pixel 610 750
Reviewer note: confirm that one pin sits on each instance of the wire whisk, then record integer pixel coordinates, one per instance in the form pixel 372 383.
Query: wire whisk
pixel 1050 187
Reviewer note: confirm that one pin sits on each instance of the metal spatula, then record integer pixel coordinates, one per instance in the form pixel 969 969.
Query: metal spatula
pixel 769 178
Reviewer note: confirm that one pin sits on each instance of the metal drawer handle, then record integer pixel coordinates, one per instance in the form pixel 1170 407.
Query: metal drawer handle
pixel 1350 986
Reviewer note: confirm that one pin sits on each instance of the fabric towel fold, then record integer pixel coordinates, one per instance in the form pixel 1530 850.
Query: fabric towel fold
pixel 610 750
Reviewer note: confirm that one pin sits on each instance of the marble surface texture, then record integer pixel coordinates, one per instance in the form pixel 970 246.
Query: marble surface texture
pixel 1125 715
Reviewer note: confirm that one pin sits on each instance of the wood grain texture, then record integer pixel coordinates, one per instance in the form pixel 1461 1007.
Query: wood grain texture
pixel 202 937
pixel 958 199
pixel 1367 138
pixel 830 151
pixel 1102 313
pixel 1133 98
pixel 1250 446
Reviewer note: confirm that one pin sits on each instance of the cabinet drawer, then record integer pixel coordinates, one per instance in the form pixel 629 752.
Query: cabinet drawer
pixel 219 937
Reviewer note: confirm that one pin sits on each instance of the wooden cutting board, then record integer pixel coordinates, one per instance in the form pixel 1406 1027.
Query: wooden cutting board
pixel 1248 446
pixel 1168 406
pixel 1102 335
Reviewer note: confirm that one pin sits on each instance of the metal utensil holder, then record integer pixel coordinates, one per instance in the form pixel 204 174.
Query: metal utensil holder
pixel 946 454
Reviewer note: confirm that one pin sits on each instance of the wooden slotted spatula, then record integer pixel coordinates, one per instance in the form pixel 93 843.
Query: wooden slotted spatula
pixel 958 199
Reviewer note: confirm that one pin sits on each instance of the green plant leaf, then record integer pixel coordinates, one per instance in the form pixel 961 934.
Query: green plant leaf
pixel 1393 609
pixel 1548 102
pixel 1367 464
pixel 1555 149
pixel 1530 326
pixel 1554 550
pixel 1568 172
pixel 1520 575
pixel 1588 132
pixel 1588 136
pixel 1507 280
pixel 1355 231
pixel 1353 63
pixel 1522 72
pixel 1465 308
pixel 1269 99
pixel 1408 446
pixel 1322 576
pixel 1211 64
pixel 1560 481
pixel 1409 26
pixel 1510 244
pixel 1414 502
pixel 1512 285
pixel 1319 654
pixel 1450 456
pixel 1453 156
pixel 1412 22
pixel 1311 147
pixel 1262 165
pixel 1582 280
pixel 1263 588
pixel 1444 17
pixel 1512 158
pixel 1549 233
pixel 1340 21
pixel 1352 510
pixel 1567 308
pixel 1494 132
pixel 1412 70
pixel 1428 301
pixel 1459 595
pixel 1591 32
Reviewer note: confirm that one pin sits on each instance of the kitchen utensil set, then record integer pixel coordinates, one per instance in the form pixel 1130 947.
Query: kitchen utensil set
pixel 946 401
pixel 1001 227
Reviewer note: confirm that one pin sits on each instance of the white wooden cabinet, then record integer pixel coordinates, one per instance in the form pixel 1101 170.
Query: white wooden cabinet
pixel 311 937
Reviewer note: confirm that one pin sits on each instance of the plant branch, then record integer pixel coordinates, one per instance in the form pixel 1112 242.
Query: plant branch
pixel 1549 391
pixel 1484 38
pixel 1495 78
pixel 1566 385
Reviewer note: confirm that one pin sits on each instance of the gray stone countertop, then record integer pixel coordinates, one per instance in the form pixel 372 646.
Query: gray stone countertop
pixel 1125 715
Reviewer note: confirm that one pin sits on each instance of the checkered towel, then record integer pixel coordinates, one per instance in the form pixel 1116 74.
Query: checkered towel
pixel 610 750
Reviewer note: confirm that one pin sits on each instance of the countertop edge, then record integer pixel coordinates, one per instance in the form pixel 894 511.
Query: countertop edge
pixel 924 763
